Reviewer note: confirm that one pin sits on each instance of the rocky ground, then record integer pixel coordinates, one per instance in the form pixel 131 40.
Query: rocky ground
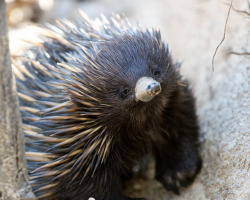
pixel 193 29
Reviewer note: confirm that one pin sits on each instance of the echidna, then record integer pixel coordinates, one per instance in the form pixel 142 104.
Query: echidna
pixel 96 96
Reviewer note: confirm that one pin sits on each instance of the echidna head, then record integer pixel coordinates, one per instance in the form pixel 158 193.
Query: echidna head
pixel 129 78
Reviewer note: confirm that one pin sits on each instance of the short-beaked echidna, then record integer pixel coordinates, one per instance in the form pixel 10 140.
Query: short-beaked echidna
pixel 96 96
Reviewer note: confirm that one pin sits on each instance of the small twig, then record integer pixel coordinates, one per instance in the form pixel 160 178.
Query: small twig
pixel 239 11
pixel 239 53
pixel 224 35
pixel 242 11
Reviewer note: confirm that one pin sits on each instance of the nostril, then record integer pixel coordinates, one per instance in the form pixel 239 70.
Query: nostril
pixel 154 88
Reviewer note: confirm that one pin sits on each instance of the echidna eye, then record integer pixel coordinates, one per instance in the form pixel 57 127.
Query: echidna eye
pixel 125 91
pixel 156 72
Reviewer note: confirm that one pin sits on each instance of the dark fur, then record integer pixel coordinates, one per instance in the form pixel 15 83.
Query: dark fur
pixel 166 125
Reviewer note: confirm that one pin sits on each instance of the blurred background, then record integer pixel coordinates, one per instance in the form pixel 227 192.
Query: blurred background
pixel 193 29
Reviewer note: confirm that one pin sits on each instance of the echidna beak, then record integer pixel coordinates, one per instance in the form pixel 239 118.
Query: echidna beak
pixel 146 89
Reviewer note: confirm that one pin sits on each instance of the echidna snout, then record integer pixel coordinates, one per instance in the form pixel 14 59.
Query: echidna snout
pixel 146 89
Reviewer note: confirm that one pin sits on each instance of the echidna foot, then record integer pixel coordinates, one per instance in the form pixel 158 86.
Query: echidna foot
pixel 173 179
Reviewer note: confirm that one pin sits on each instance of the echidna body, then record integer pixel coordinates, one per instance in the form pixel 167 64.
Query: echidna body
pixel 97 96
